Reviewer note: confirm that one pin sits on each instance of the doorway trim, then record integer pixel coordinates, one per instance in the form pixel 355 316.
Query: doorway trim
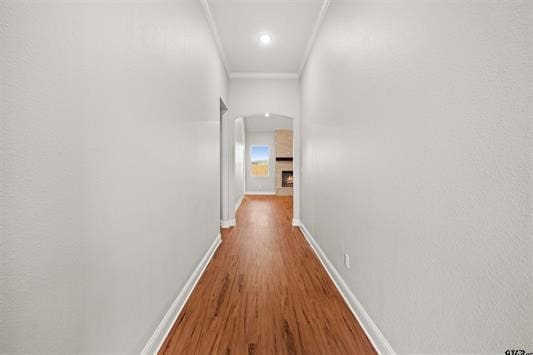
pixel 224 150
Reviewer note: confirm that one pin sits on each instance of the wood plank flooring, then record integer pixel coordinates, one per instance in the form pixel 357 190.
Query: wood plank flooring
pixel 265 292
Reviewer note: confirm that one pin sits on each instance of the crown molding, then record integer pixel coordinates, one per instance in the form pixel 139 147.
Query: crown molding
pixel 314 33
pixel 241 75
pixel 216 36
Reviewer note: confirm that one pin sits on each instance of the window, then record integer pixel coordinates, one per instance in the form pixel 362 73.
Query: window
pixel 260 159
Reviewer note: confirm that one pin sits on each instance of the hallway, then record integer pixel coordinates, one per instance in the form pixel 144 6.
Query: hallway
pixel 369 163
pixel 265 292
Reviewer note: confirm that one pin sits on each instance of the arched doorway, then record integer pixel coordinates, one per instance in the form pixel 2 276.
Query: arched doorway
pixel 282 177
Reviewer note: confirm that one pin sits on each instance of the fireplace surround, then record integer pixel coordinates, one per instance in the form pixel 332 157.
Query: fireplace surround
pixel 286 178
pixel 284 163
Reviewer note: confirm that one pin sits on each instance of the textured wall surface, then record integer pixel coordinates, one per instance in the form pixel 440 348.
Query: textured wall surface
pixel 283 143
pixel 110 169
pixel 416 162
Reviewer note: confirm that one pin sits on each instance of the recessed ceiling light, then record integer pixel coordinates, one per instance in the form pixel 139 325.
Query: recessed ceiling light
pixel 265 39
pixel 267 114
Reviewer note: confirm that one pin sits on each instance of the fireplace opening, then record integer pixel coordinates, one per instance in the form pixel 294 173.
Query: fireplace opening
pixel 286 179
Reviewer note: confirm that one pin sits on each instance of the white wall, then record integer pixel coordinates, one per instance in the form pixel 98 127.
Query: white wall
pixel 257 96
pixel 261 183
pixel 260 123
pixel 240 157
pixel 110 173
pixel 415 162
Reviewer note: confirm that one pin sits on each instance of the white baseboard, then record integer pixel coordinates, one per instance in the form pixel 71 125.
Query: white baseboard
pixel 372 331
pixel 238 204
pixel 296 222
pixel 162 330
pixel 228 224
pixel 267 193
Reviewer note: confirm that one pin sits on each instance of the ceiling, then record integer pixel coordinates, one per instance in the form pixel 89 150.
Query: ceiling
pixel 238 25
pixel 260 123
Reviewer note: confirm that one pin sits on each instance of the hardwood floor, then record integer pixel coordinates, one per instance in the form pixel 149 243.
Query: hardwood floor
pixel 265 292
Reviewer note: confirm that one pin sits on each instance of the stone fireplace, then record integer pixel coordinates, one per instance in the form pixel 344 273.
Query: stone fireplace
pixel 284 170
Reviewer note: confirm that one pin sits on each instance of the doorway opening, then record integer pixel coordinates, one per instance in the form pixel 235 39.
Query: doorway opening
pixel 269 154
pixel 259 158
